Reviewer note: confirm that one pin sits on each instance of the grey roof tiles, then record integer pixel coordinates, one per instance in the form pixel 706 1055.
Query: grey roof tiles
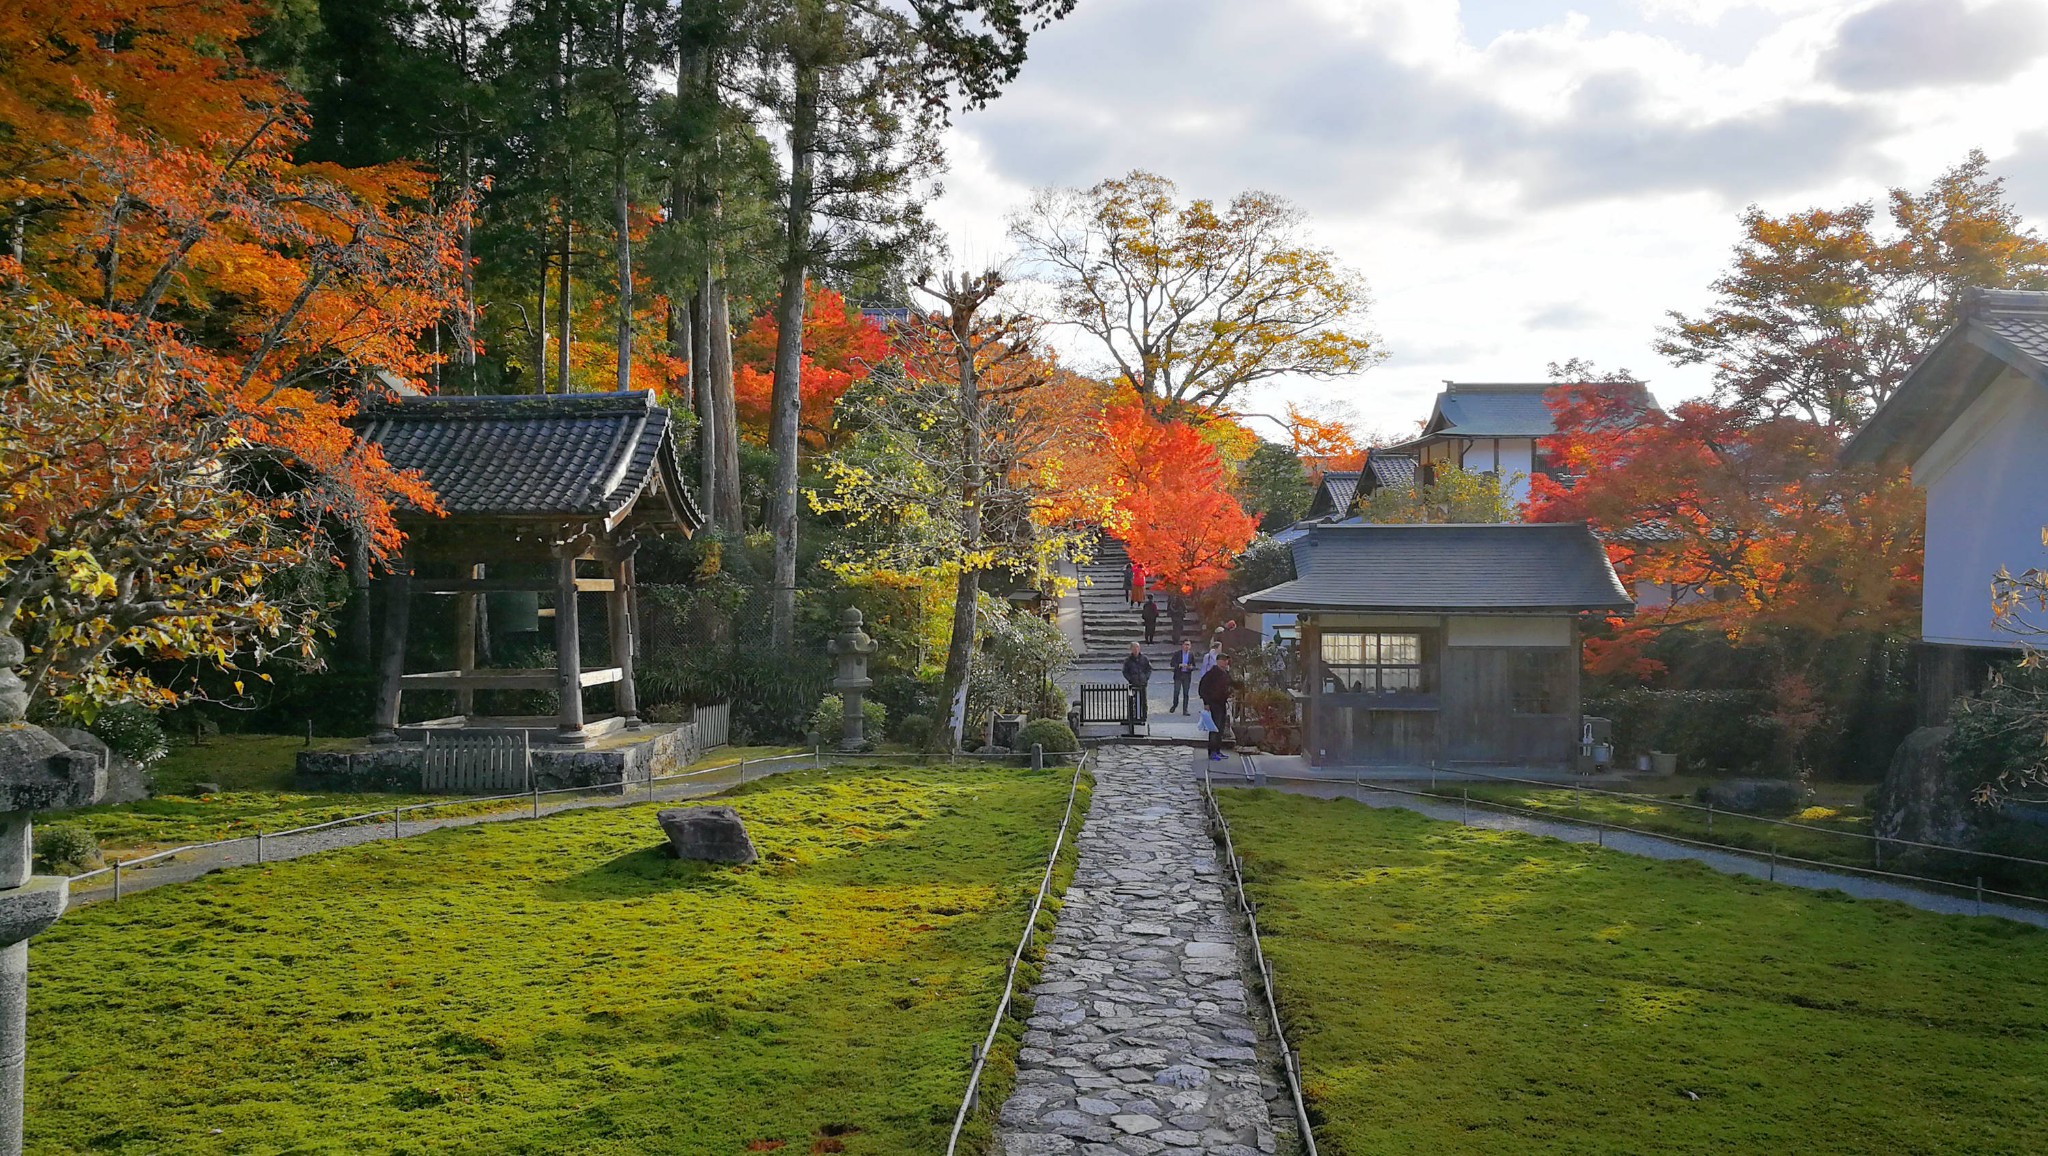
pixel 1503 568
pixel 556 455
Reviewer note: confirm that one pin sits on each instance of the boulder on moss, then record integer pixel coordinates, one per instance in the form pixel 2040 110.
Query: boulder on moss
pixel 707 834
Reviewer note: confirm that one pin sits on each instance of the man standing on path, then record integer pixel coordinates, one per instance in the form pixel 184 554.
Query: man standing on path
pixel 1184 664
pixel 1138 673
pixel 1215 690
pixel 1150 613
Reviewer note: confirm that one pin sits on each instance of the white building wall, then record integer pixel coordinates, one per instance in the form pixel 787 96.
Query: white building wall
pixel 1987 502
pixel 1517 458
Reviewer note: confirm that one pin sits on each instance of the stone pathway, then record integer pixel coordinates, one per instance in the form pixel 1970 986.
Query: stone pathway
pixel 1142 1037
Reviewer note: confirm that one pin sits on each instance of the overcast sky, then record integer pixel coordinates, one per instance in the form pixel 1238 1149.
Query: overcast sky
pixel 1520 181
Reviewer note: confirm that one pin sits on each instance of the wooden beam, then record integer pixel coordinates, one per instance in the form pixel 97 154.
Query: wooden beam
pixel 465 641
pixel 619 617
pixel 508 678
pixel 496 585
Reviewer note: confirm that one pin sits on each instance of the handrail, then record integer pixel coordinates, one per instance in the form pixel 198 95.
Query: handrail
pixel 995 1026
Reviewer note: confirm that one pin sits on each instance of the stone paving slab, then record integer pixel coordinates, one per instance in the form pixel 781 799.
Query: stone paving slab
pixel 1142 1038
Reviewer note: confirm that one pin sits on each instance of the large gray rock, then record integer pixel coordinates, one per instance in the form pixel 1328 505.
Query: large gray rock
pixel 1770 797
pixel 1924 799
pixel 126 780
pixel 710 834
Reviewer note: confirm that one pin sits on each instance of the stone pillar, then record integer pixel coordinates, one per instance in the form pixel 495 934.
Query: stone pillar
pixel 852 648
pixel 36 773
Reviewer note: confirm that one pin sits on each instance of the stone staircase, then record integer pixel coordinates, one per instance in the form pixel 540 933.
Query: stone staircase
pixel 1109 622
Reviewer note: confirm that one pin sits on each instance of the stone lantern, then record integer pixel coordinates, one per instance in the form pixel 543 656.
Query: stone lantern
pixel 37 773
pixel 851 648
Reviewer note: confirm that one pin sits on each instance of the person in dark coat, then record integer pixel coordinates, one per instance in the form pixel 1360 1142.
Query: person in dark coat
pixel 1138 673
pixel 1177 613
pixel 1215 689
pixel 1185 662
pixel 1150 613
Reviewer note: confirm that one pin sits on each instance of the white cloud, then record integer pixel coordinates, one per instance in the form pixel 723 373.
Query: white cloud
pixel 1900 44
pixel 1522 181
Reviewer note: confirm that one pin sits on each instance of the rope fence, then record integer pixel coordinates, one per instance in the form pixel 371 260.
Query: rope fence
pixel 972 1096
pixel 1290 1058
pixel 1771 858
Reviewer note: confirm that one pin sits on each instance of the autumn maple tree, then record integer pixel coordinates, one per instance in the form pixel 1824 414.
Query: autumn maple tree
pixel 1748 523
pixel 1173 507
pixel 193 320
pixel 840 347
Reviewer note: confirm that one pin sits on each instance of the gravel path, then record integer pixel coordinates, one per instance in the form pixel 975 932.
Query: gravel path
pixel 193 864
pixel 1142 1038
pixel 1653 847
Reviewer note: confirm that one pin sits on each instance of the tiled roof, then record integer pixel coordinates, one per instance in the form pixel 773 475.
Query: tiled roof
pixel 1509 410
pixel 1999 328
pixel 1509 567
pixel 553 455
pixel 1389 469
pixel 1334 494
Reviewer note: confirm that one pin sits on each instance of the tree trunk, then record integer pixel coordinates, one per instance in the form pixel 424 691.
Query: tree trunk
pixel 679 345
pixel 725 499
pixel 622 204
pixel 967 589
pixel 540 328
pixel 562 303
pixel 786 399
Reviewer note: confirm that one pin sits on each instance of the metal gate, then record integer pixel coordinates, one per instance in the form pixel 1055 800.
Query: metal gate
pixel 477 762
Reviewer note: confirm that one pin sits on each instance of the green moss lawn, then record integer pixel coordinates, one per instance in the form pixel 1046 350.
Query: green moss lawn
pixel 255 774
pixel 1457 990
pixel 558 986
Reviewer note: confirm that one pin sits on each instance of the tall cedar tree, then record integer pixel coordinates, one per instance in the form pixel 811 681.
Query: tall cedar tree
pixel 862 91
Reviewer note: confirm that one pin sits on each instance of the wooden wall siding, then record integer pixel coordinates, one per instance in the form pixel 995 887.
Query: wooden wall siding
pixel 1357 735
pixel 1479 720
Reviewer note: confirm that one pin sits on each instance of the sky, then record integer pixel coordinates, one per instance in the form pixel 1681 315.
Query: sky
pixel 1519 181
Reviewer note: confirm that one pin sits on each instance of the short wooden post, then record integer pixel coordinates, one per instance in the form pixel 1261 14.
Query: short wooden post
pixel 259 847
pixel 1710 816
pixel 1980 895
pixel 117 881
pixel 568 658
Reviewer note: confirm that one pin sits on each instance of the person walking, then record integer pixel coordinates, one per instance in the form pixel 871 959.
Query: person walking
pixel 1177 613
pixel 1150 613
pixel 1138 673
pixel 1138 579
pixel 1209 658
pixel 1215 689
pixel 1185 663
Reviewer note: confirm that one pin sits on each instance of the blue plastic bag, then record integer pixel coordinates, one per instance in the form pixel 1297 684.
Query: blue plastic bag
pixel 1207 723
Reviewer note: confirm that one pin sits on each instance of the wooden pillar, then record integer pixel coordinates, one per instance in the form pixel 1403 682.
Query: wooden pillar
pixel 1312 685
pixel 391 656
pixel 465 642
pixel 625 632
pixel 568 662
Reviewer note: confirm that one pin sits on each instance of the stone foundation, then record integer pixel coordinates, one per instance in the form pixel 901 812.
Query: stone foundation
pixel 628 757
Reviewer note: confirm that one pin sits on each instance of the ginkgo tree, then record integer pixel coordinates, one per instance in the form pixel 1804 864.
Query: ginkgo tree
pixel 1191 302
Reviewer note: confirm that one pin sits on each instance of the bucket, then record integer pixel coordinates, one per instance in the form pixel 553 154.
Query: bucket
pixel 1662 763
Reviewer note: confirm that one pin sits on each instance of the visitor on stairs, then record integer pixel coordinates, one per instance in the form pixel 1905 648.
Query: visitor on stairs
pixel 1150 613
pixel 1215 691
pixel 1184 664
pixel 1138 673
pixel 1209 658
pixel 1177 613
pixel 1138 579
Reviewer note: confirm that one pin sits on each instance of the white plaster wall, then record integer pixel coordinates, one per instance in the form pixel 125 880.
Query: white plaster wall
pixel 1482 630
pixel 1987 501
pixel 1517 462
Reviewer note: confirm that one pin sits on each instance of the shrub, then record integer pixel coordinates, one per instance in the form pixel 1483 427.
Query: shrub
pixel 131 731
pixel 914 730
pixel 67 848
pixel 1053 734
pixel 671 712
pixel 825 719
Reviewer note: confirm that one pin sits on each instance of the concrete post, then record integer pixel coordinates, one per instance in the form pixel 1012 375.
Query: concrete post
pixel 852 648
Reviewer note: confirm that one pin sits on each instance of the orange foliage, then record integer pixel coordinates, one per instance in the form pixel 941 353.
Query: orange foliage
pixel 841 347
pixel 1323 445
pixel 1750 521
pixel 1172 501
pixel 176 258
